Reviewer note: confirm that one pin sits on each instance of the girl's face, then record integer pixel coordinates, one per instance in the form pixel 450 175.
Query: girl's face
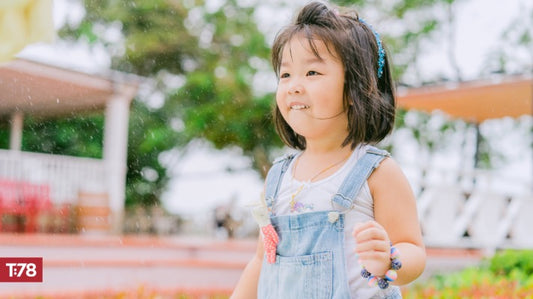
pixel 310 90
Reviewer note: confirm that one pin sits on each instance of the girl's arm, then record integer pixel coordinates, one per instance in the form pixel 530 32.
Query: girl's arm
pixel 247 286
pixel 396 221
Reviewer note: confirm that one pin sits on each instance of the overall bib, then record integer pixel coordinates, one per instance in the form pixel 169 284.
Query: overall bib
pixel 310 258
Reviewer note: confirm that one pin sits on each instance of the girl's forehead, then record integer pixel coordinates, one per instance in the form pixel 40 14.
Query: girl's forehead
pixel 302 45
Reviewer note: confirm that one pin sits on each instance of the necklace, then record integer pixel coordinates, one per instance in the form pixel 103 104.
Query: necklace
pixel 296 206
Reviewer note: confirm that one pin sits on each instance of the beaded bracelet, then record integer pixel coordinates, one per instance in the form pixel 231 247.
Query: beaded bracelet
pixel 391 275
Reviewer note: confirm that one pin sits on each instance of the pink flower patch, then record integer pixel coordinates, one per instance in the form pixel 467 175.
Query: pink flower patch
pixel 270 241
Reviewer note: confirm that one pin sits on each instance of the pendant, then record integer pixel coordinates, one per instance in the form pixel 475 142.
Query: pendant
pixel 296 206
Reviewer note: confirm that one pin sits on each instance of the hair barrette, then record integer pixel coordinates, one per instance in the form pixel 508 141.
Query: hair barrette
pixel 381 51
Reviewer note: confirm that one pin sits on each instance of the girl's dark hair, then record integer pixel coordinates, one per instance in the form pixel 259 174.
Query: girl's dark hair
pixel 369 100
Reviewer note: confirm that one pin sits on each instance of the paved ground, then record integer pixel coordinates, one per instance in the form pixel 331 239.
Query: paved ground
pixel 77 263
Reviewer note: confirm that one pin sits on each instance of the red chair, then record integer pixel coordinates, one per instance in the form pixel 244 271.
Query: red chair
pixel 9 201
pixel 23 199
pixel 35 200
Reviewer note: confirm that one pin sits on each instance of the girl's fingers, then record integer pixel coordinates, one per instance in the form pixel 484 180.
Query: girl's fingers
pixel 360 227
pixel 370 234
pixel 372 241
pixel 366 225
pixel 373 245
pixel 373 255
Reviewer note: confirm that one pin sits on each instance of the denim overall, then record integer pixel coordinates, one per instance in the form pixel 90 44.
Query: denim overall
pixel 310 259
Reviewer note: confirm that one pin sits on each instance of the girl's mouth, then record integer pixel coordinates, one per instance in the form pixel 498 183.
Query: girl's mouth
pixel 299 107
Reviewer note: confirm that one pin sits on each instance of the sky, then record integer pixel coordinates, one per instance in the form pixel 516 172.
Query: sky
pixel 199 185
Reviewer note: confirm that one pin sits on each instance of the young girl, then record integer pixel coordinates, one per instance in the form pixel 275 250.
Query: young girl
pixel 338 219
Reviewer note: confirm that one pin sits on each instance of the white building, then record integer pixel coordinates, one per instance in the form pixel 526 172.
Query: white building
pixel 40 90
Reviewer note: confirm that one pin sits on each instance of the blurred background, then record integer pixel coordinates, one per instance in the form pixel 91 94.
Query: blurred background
pixel 133 135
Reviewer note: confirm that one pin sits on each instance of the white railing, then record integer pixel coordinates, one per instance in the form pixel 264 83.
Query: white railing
pixel 479 209
pixel 66 176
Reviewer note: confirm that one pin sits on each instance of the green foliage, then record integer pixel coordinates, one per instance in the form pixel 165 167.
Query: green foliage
pixel 485 155
pixel 217 52
pixel 508 274
pixel 80 135
pixel 155 34
pixel 505 262
pixel 212 50
pixel 431 131
pixel 401 8
pixel 149 135
pixel 419 19
pixel 4 133
pixel 516 43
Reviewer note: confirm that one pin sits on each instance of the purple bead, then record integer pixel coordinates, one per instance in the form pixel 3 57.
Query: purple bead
pixel 383 284
pixel 365 273
pixel 396 264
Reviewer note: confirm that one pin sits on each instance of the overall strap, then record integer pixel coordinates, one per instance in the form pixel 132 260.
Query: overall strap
pixel 274 178
pixel 357 177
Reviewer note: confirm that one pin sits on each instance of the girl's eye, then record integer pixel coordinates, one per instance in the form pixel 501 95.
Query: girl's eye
pixel 284 75
pixel 312 73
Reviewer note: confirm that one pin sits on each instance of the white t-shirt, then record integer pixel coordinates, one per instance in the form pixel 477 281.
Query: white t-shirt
pixel 316 196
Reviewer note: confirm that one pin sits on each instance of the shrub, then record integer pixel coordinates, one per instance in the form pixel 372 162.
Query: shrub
pixel 503 263
pixel 508 274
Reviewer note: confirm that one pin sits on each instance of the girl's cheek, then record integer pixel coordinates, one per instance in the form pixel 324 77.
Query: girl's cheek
pixel 279 97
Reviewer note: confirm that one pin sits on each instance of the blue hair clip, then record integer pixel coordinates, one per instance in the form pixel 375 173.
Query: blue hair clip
pixel 381 51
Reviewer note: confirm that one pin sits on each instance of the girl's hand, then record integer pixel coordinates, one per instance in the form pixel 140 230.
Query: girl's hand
pixel 373 247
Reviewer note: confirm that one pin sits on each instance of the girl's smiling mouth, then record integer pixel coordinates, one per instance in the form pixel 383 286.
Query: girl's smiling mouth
pixel 298 106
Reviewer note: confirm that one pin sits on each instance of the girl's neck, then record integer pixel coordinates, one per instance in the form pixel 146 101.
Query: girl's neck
pixel 316 163
pixel 324 153
pixel 329 146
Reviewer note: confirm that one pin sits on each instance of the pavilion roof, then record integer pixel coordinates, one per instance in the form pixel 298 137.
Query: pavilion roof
pixel 474 101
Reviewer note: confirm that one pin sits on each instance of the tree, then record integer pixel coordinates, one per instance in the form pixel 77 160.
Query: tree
pixel 211 55
pixel 60 136
pixel 405 26
pixel 214 53
pixel 515 55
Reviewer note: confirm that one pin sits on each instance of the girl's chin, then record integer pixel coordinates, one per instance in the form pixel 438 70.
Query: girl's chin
pixel 302 130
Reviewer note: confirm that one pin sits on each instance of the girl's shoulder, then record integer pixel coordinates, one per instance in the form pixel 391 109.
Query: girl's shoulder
pixel 386 168
pixel 374 150
pixel 387 175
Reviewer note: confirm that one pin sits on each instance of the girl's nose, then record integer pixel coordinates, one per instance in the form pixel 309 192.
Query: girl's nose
pixel 296 88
